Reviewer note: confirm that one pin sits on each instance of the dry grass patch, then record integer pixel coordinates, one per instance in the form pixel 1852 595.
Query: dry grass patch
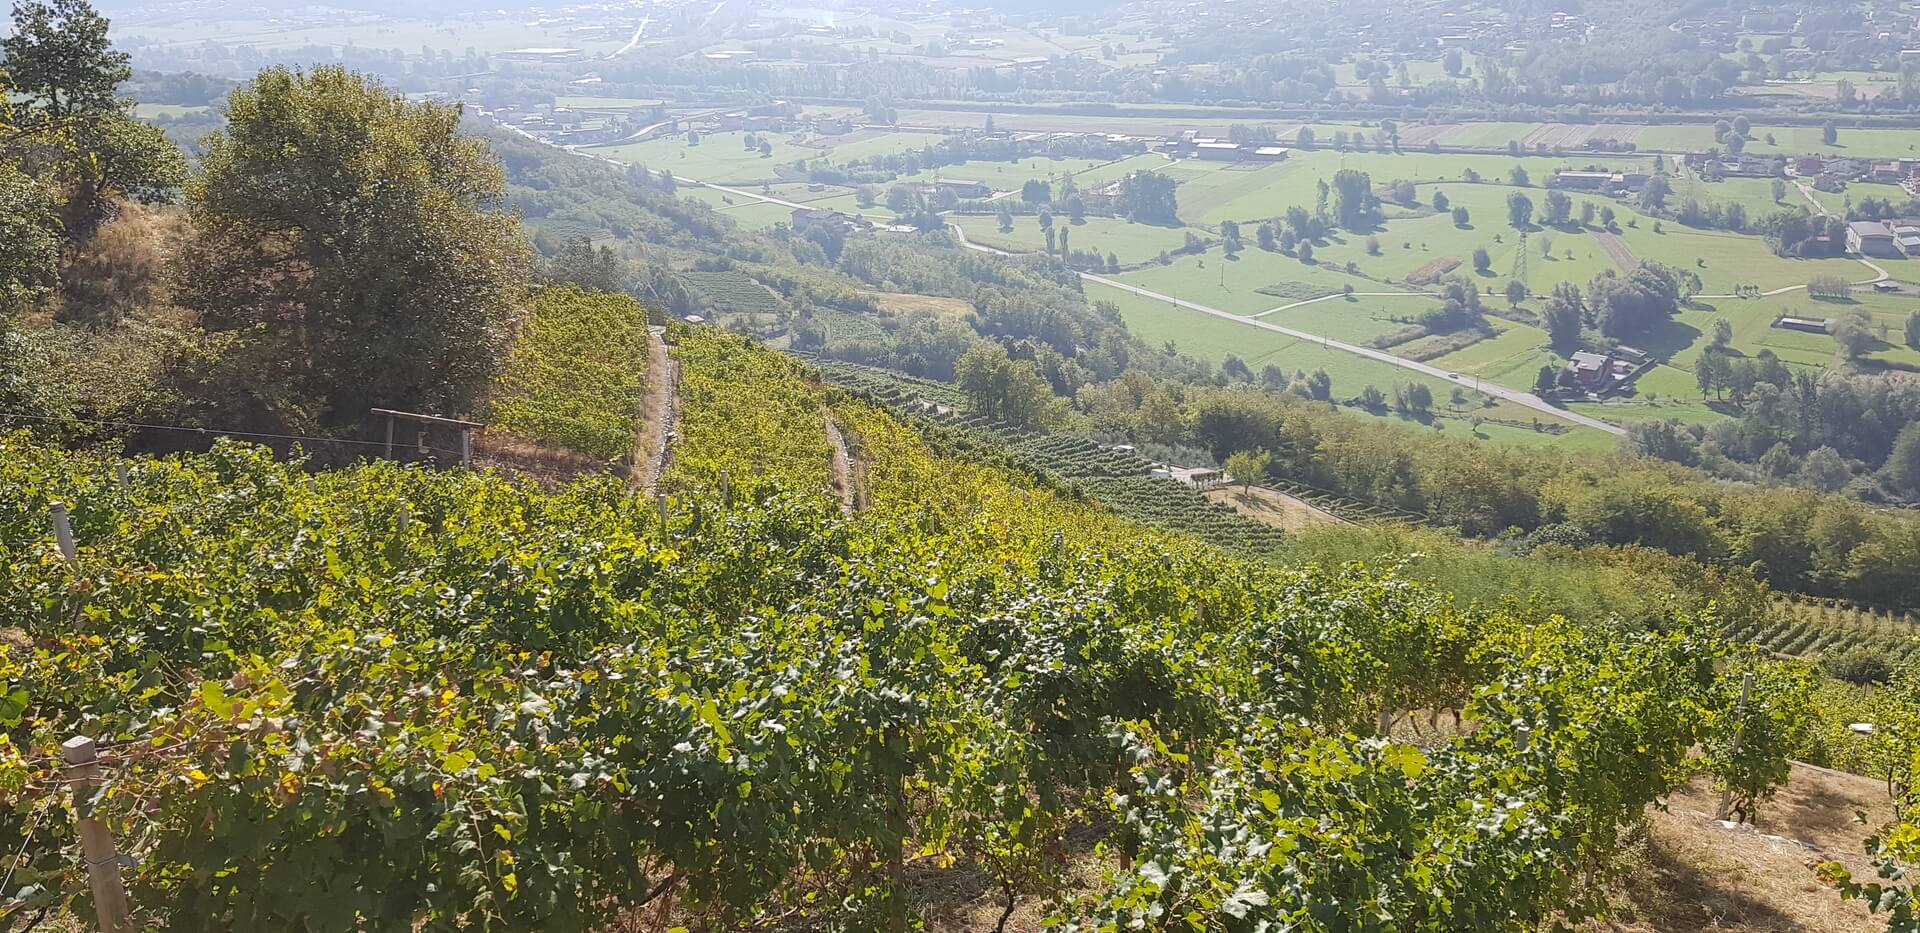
pixel 899 303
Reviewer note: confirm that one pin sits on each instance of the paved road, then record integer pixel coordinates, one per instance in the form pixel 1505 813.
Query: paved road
pixel 1525 399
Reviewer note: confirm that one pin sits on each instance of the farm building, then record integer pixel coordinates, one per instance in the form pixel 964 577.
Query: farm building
pixel 1906 236
pixel 1271 153
pixel 1808 166
pixel 1812 325
pixel 1584 181
pixel 1217 151
pixel 963 187
pixel 1871 238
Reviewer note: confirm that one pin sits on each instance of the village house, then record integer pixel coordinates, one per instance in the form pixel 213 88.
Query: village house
pixel 1601 372
pixel 805 217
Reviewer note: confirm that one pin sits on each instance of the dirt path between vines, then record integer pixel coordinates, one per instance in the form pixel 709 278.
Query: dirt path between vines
pixel 1616 249
pixel 846 473
pixel 653 443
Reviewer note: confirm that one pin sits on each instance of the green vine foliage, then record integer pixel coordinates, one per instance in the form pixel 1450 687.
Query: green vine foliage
pixel 1891 752
pixel 577 372
pixel 390 699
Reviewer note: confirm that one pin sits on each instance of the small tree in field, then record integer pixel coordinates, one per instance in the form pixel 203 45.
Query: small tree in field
pixel 1249 467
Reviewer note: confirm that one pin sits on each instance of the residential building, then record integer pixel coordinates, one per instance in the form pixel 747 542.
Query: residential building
pixel 804 217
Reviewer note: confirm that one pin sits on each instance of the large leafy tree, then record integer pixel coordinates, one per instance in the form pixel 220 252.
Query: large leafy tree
pixel 29 250
pixel 70 130
pixel 349 251
pixel 61 60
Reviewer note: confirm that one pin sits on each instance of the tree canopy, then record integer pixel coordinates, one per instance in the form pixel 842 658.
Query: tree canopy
pixel 350 251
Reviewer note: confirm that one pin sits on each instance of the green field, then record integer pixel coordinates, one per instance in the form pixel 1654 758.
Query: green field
pixel 1513 359
pixel 1132 243
pixel 1214 191
pixel 1009 176
pixel 1790 140
pixel 1855 192
pixel 1215 338
pixel 1754 195
pixel 724 158
pixel 1231 285
pixel 606 103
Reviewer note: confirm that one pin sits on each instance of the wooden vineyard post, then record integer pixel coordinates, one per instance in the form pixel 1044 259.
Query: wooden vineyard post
pixel 389 448
pixel 1740 715
pixel 120 473
pixel 660 502
pixel 63 530
pixel 96 841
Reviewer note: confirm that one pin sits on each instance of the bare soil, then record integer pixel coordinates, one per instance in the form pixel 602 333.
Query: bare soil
pixel 1616 250
pixel 652 443
pixel 1694 874
pixel 1274 507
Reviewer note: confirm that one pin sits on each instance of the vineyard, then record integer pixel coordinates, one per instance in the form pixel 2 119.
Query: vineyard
pixel 732 292
pixel 1119 480
pixel 747 412
pixel 1809 627
pixel 577 373
pixel 1116 478
pixel 383 698
pixel 1347 507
